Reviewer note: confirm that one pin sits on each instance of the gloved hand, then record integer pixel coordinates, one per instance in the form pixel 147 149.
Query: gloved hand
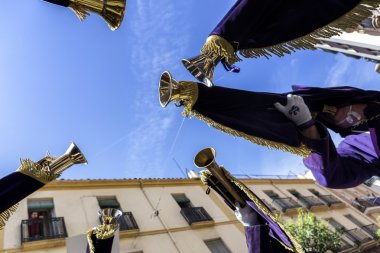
pixel 295 109
pixel 246 215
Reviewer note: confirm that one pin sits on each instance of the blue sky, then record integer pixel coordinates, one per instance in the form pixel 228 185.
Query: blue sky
pixel 62 80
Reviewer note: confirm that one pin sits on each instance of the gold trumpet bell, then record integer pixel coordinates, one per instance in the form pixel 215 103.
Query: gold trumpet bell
pixel 167 88
pixel 72 156
pixel 202 68
pixel 206 159
pixel 110 216
pixel 112 11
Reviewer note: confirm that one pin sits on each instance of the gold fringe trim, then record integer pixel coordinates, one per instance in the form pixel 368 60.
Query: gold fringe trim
pixel 303 150
pixel 188 93
pixel 205 176
pixel 102 232
pixel 79 10
pixel 218 46
pixel 36 171
pixel 258 202
pixel 352 19
pixel 91 246
pixel 5 215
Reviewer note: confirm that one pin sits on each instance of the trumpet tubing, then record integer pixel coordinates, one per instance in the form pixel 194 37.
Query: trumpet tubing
pixel 206 159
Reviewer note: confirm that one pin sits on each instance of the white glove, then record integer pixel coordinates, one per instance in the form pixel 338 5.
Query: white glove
pixel 247 216
pixel 295 109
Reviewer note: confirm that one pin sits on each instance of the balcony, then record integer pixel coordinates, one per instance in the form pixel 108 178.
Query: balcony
pixel 371 229
pixel 128 222
pixel 344 245
pixel 310 202
pixel 43 229
pixel 367 205
pixel 357 236
pixel 272 208
pixel 286 204
pixel 331 201
pixel 195 215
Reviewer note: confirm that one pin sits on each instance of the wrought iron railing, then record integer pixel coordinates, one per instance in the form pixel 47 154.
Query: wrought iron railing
pixel 357 236
pixel 43 229
pixel 195 214
pixel 363 203
pixel 344 245
pixel 128 222
pixel 330 200
pixel 271 207
pixel 370 229
pixel 310 201
pixel 286 203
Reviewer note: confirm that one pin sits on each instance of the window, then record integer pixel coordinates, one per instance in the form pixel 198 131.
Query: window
pixel 354 220
pixel 315 192
pixel 370 229
pixel 39 212
pixel 295 193
pixel 42 223
pixel 271 194
pixel 336 224
pixel 217 246
pixel 127 221
pixel 182 200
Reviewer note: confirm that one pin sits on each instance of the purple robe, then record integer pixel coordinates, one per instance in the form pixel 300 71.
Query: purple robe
pixel 260 24
pixel 251 115
pixel 267 235
pixel 354 161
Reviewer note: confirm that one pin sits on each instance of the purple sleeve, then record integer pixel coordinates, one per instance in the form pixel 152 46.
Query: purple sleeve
pixel 251 235
pixel 336 168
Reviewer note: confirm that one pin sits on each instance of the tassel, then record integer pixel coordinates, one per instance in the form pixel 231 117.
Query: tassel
pixel 5 215
pixel 35 170
pixel 218 46
pixel 303 150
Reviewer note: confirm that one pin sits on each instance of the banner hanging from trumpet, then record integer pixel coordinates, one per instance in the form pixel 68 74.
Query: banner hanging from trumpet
pixel 254 29
pixel 100 238
pixel 32 176
pixel 112 11
pixel 267 234
pixel 252 116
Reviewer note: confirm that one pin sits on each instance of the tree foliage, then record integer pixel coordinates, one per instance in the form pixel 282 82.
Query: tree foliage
pixel 314 234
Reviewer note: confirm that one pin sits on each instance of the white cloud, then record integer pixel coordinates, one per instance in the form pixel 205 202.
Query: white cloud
pixel 154 22
pixel 339 71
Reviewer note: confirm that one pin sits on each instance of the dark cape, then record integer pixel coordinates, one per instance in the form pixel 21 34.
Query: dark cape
pixel 268 235
pixel 14 188
pixel 260 28
pixel 101 245
pixel 251 115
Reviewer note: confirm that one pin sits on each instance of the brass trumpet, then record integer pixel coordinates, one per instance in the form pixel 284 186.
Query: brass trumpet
pixel 72 156
pixel 206 159
pixel 112 11
pixel 110 216
pixel 168 89
pixel 202 68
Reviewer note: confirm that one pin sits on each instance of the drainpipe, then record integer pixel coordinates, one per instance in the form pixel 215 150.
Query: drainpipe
pixel 162 222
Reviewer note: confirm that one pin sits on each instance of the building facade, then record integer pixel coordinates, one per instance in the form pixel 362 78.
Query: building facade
pixel 174 215
pixel 360 42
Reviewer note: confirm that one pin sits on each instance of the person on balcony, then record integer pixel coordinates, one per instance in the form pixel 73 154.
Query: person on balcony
pixel 35 225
